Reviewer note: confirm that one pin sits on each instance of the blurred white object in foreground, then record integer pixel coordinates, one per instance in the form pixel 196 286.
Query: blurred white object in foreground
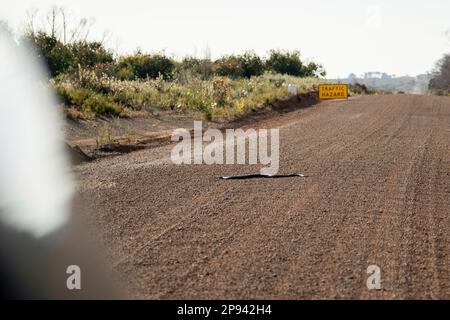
pixel 292 89
pixel 35 186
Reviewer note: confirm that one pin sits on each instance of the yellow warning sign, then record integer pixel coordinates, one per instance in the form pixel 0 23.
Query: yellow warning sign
pixel 333 91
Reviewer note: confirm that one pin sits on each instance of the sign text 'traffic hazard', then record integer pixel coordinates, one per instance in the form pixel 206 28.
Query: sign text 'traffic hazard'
pixel 333 91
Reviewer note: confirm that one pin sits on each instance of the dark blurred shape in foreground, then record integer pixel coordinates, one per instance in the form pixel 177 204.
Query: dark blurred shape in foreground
pixel 38 238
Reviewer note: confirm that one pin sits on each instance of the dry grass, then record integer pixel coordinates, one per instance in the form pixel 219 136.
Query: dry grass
pixel 219 98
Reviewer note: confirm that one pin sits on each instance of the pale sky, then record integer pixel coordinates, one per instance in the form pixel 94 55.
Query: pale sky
pixel 394 36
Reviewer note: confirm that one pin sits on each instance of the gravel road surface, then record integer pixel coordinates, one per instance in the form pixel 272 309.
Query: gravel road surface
pixel 377 192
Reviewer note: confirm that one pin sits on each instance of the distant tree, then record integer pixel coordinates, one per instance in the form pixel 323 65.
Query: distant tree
pixel 285 62
pixel 251 64
pixel 440 81
pixel 314 70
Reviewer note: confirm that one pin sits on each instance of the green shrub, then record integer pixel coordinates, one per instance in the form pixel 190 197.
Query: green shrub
pixel 144 66
pixel 314 70
pixel 251 64
pixel 89 54
pixel 124 72
pixel 359 89
pixel 102 105
pixel 62 58
pixel 285 62
pixel 221 90
pixel 246 65
pixel 229 66
pixel 88 100
pixel 202 68
pixel 72 96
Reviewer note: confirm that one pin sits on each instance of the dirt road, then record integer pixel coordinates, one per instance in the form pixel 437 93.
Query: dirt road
pixel 377 192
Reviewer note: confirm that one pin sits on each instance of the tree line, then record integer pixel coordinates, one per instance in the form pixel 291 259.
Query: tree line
pixel 64 45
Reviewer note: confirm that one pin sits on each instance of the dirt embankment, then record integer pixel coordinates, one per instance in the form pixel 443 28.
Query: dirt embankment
pixel 88 140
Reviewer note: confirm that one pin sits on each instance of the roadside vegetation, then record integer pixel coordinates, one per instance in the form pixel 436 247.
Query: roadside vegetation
pixel 440 82
pixel 92 80
pixel 87 94
pixel 224 88
pixel 359 89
